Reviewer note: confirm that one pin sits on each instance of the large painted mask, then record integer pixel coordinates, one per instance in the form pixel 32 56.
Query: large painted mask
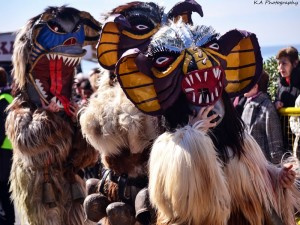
pixel 132 25
pixel 55 40
pixel 192 60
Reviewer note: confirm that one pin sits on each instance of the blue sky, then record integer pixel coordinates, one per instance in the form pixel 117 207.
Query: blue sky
pixel 274 24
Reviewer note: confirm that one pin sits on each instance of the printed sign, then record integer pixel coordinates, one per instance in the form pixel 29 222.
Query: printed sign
pixel 6 46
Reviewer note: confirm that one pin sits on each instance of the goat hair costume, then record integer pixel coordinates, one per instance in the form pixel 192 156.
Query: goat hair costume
pixel 48 147
pixel 196 177
pixel 114 126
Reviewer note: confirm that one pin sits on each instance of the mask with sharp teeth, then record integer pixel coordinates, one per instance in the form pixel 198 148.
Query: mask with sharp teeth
pixel 192 60
pixel 56 40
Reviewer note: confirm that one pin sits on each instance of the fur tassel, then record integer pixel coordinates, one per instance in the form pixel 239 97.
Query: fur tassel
pixel 111 122
pixel 185 166
pixel 21 56
pixel 26 194
pixel 288 200
pixel 255 190
pixel 249 182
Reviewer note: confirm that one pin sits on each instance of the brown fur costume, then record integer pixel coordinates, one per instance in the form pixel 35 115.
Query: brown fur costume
pixel 122 134
pixel 49 150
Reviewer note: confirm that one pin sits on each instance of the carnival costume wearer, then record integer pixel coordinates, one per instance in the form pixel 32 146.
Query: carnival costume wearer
pixel 114 126
pixel 197 175
pixel 49 150
pixel 6 153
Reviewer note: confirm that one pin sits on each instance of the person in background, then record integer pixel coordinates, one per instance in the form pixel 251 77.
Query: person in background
pixel 238 103
pixel 288 87
pixel 85 91
pixel 262 120
pixel 289 79
pixel 5 153
pixel 94 76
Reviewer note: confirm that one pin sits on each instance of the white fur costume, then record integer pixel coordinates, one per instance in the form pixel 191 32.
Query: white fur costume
pixel 122 135
pixel 198 189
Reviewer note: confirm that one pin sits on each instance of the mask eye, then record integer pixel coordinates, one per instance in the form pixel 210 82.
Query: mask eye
pixel 141 27
pixel 162 57
pixel 163 61
pixel 55 27
pixel 212 45
pixel 76 28
pixel 140 24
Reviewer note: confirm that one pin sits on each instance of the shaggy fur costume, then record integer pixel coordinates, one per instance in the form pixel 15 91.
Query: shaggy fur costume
pixel 48 147
pixel 122 134
pixel 211 193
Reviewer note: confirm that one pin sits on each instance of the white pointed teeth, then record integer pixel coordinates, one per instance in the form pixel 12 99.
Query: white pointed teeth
pixel 187 90
pixel 41 88
pixel 205 76
pixel 200 99
pixel 207 99
pixel 204 87
pixel 217 73
pixel 198 76
pixel 55 100
pixel 216 92
pixel 67 60
pixel 191 79
pixel 188 81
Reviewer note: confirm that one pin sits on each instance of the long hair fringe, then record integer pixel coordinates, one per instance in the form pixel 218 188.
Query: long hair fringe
pixel 185 166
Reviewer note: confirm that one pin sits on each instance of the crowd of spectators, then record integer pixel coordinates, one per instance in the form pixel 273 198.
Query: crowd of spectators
pixel 261 115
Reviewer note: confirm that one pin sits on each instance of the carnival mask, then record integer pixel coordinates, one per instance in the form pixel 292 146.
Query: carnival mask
pixel 132 25
pixel 57 38
pixel 193 60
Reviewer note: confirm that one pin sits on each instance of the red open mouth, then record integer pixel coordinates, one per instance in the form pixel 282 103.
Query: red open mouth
pixel 53 75
pixel 203 87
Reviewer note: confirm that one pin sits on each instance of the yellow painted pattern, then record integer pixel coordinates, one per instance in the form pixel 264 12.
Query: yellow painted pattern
pixel 235 87
pixel 244 44
pixel 135 80
pixel 239 74
pixel 138 95
pixel 107 49
pixel 131 80
pixel 151 106
pixel 240 56
pixel 238 59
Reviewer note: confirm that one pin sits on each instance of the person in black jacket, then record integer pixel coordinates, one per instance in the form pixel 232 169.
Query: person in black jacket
pixel 288 87
pixel 5 154
pixel 289 79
